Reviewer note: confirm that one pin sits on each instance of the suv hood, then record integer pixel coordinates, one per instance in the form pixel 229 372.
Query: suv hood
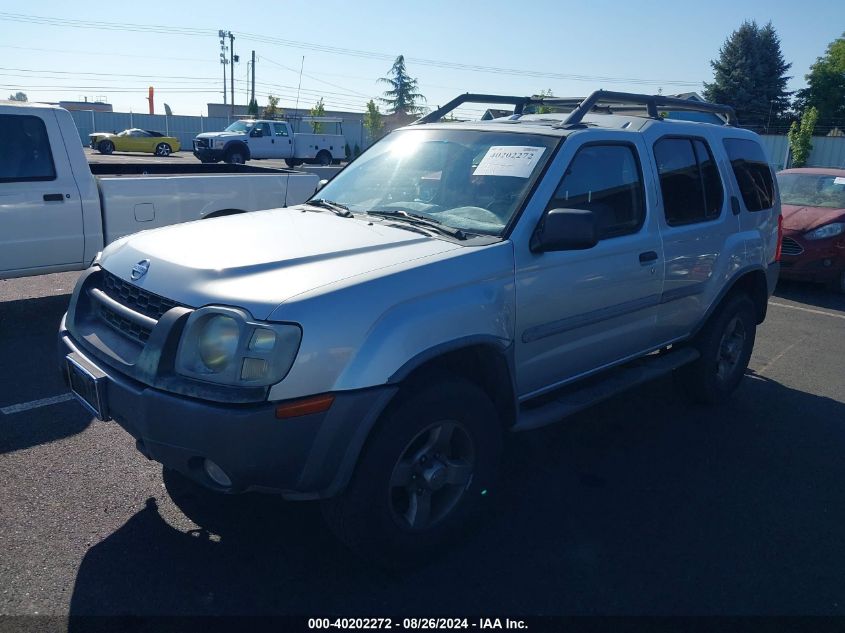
pixel 802 218
pixel 258 260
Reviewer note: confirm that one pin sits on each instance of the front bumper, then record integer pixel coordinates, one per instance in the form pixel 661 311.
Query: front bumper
pixel 208 154
pixel 820 260
pixel 307 457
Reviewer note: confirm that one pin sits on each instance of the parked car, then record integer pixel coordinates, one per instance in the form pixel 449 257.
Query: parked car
pixel 57 212
pixel 375 346
pixel 249 139
pixel 813 225
pixel 135 140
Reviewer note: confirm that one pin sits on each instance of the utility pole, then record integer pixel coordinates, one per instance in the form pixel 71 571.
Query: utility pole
pixel 223 60
pixel 252 94
pixel 233 58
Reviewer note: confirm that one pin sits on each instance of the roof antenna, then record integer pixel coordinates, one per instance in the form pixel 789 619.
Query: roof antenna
pixel 296 110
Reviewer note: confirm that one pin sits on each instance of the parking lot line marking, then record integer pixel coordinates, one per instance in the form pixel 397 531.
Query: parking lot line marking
pixel 35 404
pixel 786 305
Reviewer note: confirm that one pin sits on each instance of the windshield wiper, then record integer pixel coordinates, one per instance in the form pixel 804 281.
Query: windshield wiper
pixel 421 220
pixel 335 207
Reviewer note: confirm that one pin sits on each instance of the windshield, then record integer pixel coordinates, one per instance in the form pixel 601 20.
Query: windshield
pixel 812 190
pixel 240 126
pixel 467 179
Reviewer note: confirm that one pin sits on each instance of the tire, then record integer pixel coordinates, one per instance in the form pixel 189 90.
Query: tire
pixel 400 506
pixel 725 345
pixel 235 157
pixel 105 147
pixel 292 162
pixel 324 159
pixel 163 149
pixel 207 161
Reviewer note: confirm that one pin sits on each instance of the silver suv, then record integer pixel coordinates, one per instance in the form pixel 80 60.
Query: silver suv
pixel 374 347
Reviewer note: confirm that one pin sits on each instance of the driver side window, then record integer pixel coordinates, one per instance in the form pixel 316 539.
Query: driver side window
pixel 607 180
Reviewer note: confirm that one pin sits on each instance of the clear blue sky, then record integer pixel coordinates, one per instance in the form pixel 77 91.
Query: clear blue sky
pixel 632 46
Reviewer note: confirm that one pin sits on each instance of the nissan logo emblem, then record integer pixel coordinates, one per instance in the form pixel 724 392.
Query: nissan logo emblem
pixel 140 269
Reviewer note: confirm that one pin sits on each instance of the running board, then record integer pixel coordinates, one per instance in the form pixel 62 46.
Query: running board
pixel 573 399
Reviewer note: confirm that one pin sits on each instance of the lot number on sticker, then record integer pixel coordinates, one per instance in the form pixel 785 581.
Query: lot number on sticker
pixel 509 160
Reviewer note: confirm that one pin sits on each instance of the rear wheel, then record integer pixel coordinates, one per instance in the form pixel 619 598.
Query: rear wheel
pixel 725 344
pixel 423 475
pixel 163 149
pixel 105 147
pixel 324 158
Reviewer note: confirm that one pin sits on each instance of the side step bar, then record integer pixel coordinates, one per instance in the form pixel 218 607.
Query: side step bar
pixel 573 399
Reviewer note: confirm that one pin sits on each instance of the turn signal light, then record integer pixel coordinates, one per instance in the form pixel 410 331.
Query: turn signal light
pixel 306 406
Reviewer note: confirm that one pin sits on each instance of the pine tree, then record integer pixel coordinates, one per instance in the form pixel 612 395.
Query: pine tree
pixel 252 110
pixel 750 75
pixel 825 89
pixel 402 96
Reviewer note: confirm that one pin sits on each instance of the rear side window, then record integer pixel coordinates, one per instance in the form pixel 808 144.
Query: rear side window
pixel 689 180
pixel 25 154
pixel 752 173
pixel 605 179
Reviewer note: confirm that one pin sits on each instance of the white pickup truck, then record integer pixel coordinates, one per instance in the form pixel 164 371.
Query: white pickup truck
pixel 251 139
pixel 57 212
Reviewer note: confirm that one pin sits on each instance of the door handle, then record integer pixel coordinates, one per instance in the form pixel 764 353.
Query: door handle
pixel 272 140
pixel 53 197
pixel 648 257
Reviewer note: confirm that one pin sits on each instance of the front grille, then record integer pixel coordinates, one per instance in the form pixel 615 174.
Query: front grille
pixel 130 329
pixel 791 247
pixel 134 299
pixel 200 143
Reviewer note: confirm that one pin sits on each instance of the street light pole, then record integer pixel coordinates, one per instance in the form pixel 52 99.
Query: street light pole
pixel 232 59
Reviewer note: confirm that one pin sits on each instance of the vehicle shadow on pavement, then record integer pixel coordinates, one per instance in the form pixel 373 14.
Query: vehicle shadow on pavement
pixel 29 371
pixel 643 505
pixel 810 294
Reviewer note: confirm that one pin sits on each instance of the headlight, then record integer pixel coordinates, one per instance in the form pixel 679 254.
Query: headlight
pixel 224 345
pixel 828 230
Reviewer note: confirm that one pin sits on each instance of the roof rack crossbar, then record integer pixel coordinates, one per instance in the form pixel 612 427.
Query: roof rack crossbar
pixel 432 117
pixel 652 103
pixel 581 106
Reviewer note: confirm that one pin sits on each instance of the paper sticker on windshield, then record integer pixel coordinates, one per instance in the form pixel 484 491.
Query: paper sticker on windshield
pixel 839 180
pixel 509 160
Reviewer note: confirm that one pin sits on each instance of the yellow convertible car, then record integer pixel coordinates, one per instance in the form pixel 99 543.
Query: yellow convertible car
pixel 135 140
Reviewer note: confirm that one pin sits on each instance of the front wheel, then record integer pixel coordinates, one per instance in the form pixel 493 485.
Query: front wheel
pixel 163 149
pixel 292 162
pixel 423 475
pixel 235 157
pixel 725 344
pixel 105 147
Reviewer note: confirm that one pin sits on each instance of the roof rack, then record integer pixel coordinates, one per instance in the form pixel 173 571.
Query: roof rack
pixel 599 100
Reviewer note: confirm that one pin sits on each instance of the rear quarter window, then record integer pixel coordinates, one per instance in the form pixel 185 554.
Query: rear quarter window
pixel 752 173
pixel 25 154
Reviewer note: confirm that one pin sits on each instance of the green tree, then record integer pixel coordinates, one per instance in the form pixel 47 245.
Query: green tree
pixel 750 75
pixel 319 109
pixel 543 109
pixel 272 110
pixel 18 96
pixel 402 94
pixel 801 137
pixel 252 110
pixel 373 122
pixel 825 89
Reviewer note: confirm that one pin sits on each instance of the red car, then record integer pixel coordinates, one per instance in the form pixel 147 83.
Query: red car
pixel 813 202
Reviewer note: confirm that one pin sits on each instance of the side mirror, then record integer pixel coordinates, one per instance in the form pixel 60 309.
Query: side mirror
pixel 323 182
pixel 565 230
pixel 256 133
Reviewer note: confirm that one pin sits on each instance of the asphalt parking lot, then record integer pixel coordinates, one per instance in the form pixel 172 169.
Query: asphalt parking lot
pixel 644 505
